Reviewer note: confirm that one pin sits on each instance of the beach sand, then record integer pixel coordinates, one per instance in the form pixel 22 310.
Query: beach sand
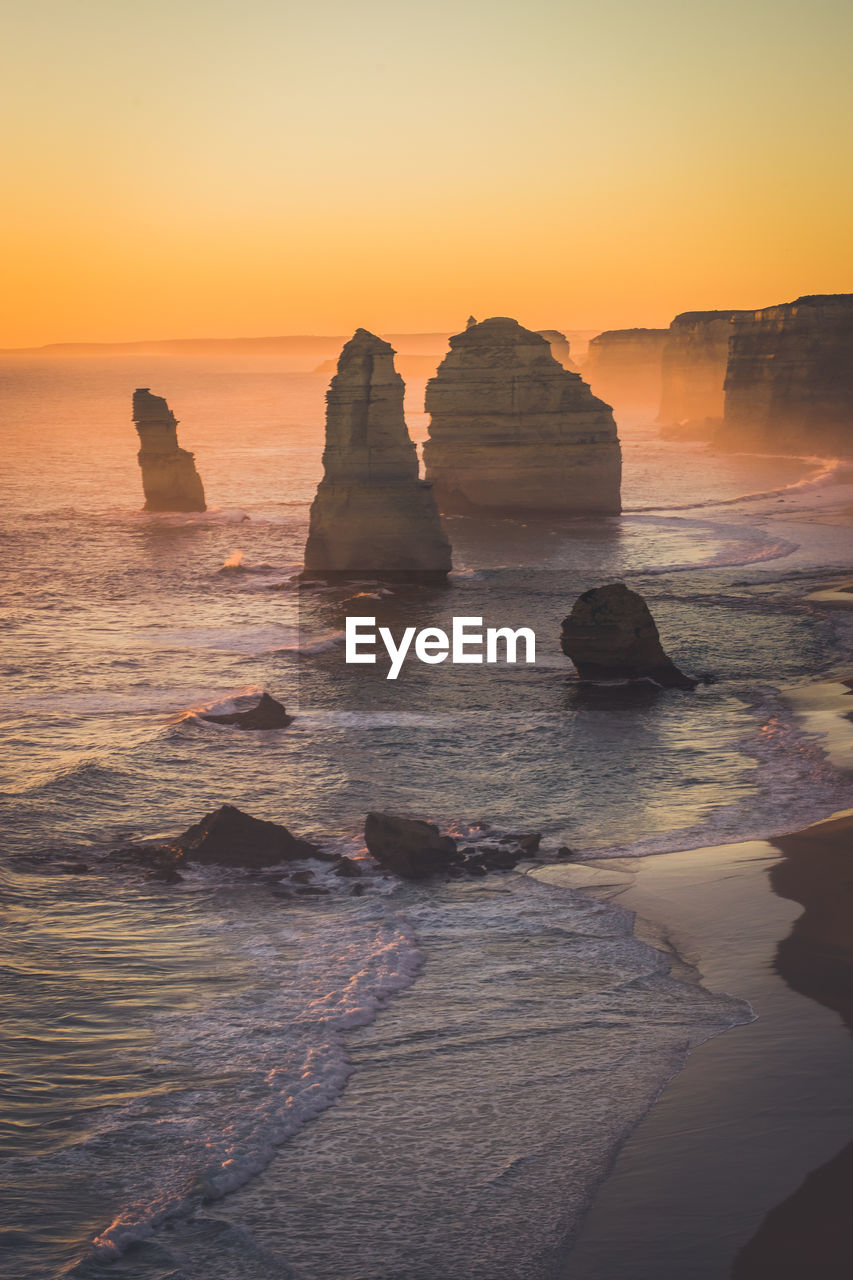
pixel 744 1167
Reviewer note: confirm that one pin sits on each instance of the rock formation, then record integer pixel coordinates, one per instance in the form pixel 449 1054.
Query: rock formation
pixel 414 849
pixel 789 382
pixel 623 367
pixel 514 432
pixel 693 371
pixel 267 713
pixel 372 514
pixel 560 348
pixel 611 635
pixel 169 477
pixel 226 837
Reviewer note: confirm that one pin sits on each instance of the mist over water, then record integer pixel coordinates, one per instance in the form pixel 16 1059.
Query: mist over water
pixel 164 1042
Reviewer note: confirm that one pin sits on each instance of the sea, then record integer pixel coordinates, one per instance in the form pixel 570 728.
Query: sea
pixel 216 1081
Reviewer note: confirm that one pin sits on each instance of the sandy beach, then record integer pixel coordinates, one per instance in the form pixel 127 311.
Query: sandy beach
pixel 743 1167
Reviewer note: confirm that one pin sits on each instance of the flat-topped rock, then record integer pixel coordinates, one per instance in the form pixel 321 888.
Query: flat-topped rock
pixel 610 634
pixel 789 382
pixel 623 367
pixel 561 348
pixel 372 514
pixel 512 431
pixel 693 370
pixel 169 478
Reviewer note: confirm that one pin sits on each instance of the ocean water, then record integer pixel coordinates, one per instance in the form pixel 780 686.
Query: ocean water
pixel 209 1080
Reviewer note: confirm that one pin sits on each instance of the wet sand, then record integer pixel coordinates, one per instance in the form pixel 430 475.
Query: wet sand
pixel 744 1167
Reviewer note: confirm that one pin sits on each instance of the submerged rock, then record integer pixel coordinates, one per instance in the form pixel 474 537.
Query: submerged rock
pixel 512 431
pixel 409 847
pixel 372 514
pixel 611 635
pixel 267 713
pixel 789 382
pixel 169 478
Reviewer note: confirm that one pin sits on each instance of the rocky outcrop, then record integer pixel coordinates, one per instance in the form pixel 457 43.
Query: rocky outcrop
pixel 416 850
pixel 560 348
pixel 789 382
pixel 512 431
pixel 372 515
pixel 169 478
pixel 227 837
pixel 693 371
pixel 623 367
pixel 267 713
pixel 409 847
pixel 611 635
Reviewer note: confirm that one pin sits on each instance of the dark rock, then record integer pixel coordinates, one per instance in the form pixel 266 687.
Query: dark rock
pixel 302 877
pixel 165 874
pixel 73 868
pixel 347 867
pixel 408 847
pixel 530 843
pixel 476 866
pixel 228 837
pixel 169 478
pixel 265 714
pixel 564 852
pixel 357 890
pixel 611 635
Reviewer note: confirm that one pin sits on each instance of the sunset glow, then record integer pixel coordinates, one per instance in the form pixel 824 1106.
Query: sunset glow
pixel 223 170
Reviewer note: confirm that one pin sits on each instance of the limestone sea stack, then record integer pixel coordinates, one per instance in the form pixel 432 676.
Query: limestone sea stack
pixel 789 383
pixel 623 367
pixel 610 634
pixel 512 431
pixel 169 478
pixel 372 514
pixel 693 372
pixel 560 346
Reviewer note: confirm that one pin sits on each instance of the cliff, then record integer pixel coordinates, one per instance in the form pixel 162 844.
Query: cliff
pixel 169 478
pixel 789 382
pixel 513 431
pixel 372 514
pixel 623 367
pixel 693 370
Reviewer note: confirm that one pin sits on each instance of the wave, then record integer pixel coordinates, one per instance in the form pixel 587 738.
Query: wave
pixel 283 1040
pixel 826 471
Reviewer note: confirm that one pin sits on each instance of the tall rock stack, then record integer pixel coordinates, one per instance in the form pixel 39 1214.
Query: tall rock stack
pixel 560 346
pixel 789 384
pixel 512 431
pixel 623 367
pixel 169 478
pixel 372 514
pixel 693 369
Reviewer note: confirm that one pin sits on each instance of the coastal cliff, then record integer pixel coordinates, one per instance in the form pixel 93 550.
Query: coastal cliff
pixel 513 431
pixel 789 382
pixel 372 513
pixel 693 370
pixel 623 367
pixel 169 478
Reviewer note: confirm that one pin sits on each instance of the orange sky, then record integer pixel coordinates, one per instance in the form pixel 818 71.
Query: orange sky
pixel 220 169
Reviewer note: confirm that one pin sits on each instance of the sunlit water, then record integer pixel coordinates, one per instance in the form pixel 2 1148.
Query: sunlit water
pixel 472 1053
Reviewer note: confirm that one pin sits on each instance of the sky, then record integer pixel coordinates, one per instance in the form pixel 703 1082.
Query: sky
pixel 207 168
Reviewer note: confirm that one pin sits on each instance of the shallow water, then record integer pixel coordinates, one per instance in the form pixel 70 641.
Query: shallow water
pixel 164 1042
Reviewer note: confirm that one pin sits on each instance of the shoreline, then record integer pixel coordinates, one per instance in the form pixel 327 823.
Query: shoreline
pixel 743 1165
